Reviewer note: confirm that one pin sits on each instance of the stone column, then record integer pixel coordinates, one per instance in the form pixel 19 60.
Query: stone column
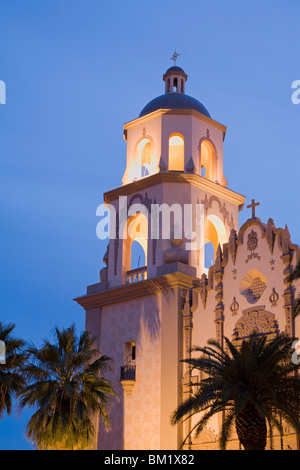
pixel 219 310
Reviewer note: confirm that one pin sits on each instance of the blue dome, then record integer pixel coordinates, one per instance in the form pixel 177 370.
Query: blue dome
pixel 175 68
pixel 174 101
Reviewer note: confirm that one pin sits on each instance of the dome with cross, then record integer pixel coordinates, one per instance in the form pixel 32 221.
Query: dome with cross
pixel 174 97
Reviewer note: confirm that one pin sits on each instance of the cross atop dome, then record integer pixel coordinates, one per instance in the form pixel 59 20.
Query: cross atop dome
pixel 175 56
pixel 174 96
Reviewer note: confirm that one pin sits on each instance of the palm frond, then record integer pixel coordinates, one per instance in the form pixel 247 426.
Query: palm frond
pixel 254 379
pixel 67 387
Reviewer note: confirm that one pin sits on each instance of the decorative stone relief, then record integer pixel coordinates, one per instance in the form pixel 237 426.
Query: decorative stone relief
pixel 272 264
pixel 252 243
pixel 222 209
pixel 143 200
pixel 270 234
pixel 234 307
pixel 206 436
pixel 233 245
pixel 187 324
pixel 273 298
pixel 203 289
pixel 256 320
pixel 225 213
pixel 256 289
pixel 253 286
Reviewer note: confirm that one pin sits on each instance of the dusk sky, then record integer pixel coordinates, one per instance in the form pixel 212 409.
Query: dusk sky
pixel 75 71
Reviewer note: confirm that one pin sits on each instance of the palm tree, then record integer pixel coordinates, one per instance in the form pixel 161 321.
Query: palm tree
pixel 12 358
pixel 67 388
pixel 294 276
pixel 252 385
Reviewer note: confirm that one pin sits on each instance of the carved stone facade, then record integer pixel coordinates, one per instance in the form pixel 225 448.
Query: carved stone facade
pixel 250 292
pixel 255 320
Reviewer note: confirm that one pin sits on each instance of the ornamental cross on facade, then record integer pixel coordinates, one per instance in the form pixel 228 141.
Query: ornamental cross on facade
pixel 253 205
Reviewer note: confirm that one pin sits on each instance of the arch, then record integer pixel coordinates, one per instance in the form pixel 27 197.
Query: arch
pixel 176 152
pixel 168 85
pixel 207 159
pixel 248 224
pixel 142 164
pixel 175 84
pixel 145 152
pixel 209 255
pixel 145 170
pixel 203 172
pixel 135 242
pixel 214 234
pixel 137 254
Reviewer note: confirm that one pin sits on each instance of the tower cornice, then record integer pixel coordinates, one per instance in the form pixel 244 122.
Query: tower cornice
pixel 139 289
pixel 187 112
pixel 176 178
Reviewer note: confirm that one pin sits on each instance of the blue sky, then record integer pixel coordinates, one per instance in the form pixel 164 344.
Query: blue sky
pixel 75 72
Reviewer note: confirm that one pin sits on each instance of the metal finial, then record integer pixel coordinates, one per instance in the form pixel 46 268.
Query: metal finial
pixel 174 56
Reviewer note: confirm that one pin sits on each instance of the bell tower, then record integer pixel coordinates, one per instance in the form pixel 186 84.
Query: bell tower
pixel 175 79
pixel 169 219
pixel 174 160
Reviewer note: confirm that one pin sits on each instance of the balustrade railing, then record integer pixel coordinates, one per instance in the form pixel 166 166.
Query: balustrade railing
pixel 127 372
pixel 136 275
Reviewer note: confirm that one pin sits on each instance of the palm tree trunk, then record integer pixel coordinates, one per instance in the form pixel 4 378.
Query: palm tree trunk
pixel 251 429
